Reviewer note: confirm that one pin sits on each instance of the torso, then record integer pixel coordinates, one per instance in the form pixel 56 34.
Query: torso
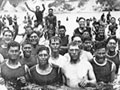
pixel 10 74
pixel 30 62
pixel 115 59
pixel 51 78
pixel 75 72
pixel 102 73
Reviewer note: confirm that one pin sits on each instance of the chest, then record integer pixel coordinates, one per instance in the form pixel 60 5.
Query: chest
pixel 47 79
pixel 102 70
pixel 75 71
pixel 12 74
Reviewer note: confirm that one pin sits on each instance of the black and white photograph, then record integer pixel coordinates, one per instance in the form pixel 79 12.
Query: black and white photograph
pixel 59 44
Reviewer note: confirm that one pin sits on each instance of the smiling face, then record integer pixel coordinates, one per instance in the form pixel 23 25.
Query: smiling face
pixel 7 37
pixel 82 23
pixel 100 55
pixel 34 39
pixel 88 45
pixel 112 44
pixel 27 50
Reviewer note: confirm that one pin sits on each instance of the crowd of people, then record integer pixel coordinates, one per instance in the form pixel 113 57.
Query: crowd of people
pixel 49 58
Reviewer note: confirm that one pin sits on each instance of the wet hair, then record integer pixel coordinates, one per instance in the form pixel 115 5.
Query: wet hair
pixel 35 33
pixel 62 26
pixel 81 18
pixel 86 39
pixel 8 31
pixel 28 27
pixel 43 47
pixel 73 44
pixel 35 21
pixel 75 36
pixel 54 38
pixel 13 44
pixel 113 18
pixel 99 45
pixel 6 28
pixel 114 38
pixel 50 9
pixel 26 42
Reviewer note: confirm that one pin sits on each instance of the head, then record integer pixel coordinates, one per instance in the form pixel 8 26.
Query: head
pixel 96 25
pixel 87 43
pixel 7 36
pixel 77 39
pixel 62 31
pixel 28 29
pixel 37 8
pixel 34 38
pixel 13 50
pixel 59 22
pixel 50 11
pixel 88 22
pixel 35 23
pixel 55 43
pixel 113 20
pixel 27 49
pixel 43 55
pixel 74 51
pixel 101 30
pixel 100 52
pixel 86 34
pixel 111 43
pixel 81 22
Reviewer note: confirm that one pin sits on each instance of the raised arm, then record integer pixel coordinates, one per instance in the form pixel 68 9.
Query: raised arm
pixel 29 7
pixel 43 7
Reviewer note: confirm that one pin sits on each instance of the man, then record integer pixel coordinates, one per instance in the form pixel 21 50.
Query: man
pixel 51 21
pixel 88 45
pixel 64 39
pixel 44 73
pixel 100 35
pixel 112 27
pixel 7 38
pixel 38 28
pixel 81 28
pixel 34 40
pixel 38 13
pixel 27 58
pixel 104 69
pixel 12 71
pixel 112 53
pixel 56 58
pixel 78 72
pixel 83 53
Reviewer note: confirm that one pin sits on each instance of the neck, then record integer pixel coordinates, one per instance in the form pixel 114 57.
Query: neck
pixel 27 58
pixel 97 59
pixel 111 53
pixel 11 62
pixel 34 46
pixel 74 61
pixel 55 54
pixel 43 67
